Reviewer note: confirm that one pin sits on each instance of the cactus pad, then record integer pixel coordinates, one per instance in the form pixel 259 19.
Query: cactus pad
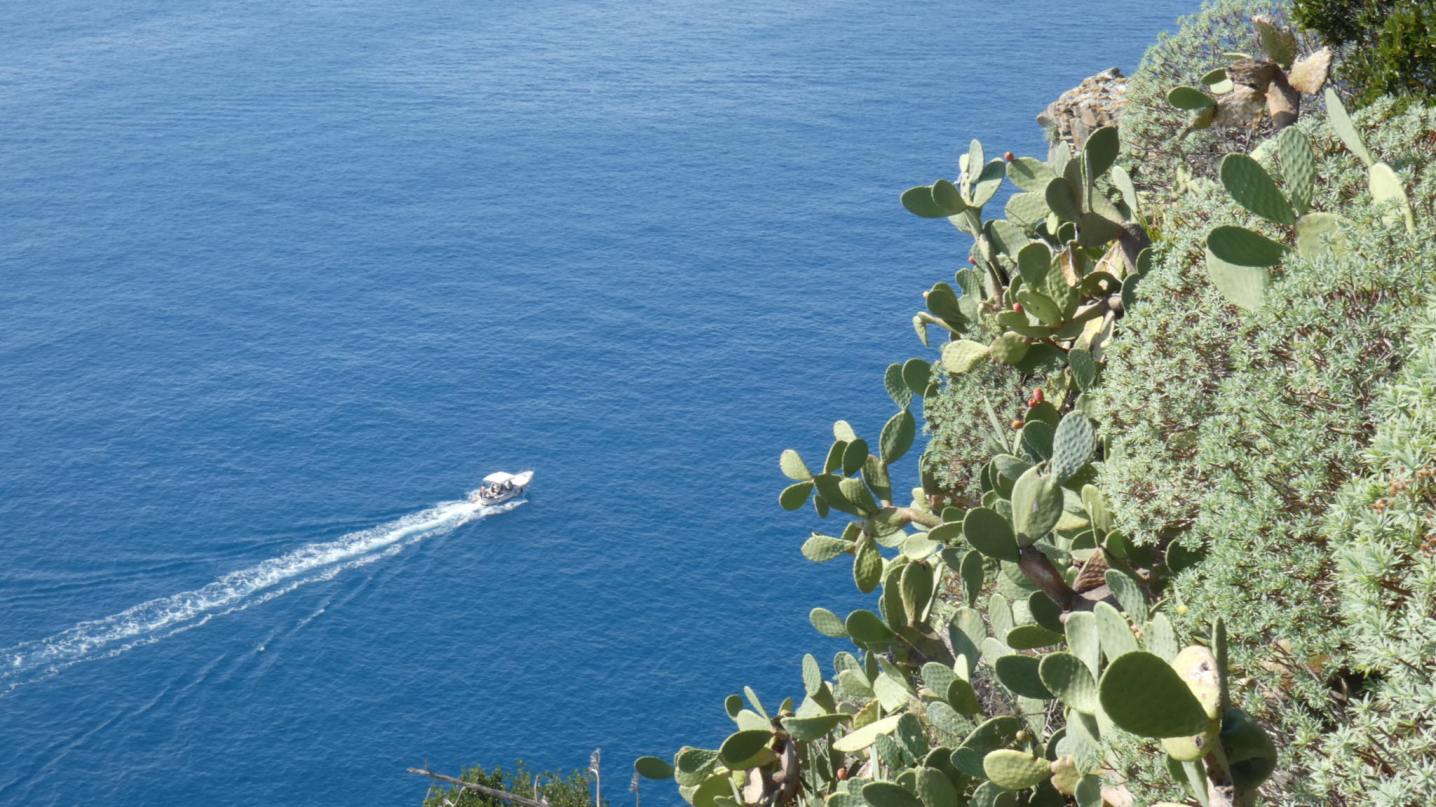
pixel 919 202
pixel 990 534
pixel 1253 188
pixel 1036 504
pixel 1020 675
pixel 1014 770
pixel 888 794
pixel 999 732
pixel 1142 694
pixel 897 436
pixel 808 729
pixel 1009 348
pixel 1345 129
pixel 1031 637
pixel 1100 151
pixel 1190 99
pixel 793 467
pixel 916 587
pixel 821 548
pixel 795 495
pixel 963 355
pixel 1298 167
pixel 861 738
pixel 1249 751
pixel 1069 678
pixel 827 623
pixel 1073 445
pixel 652 768
pixel 1116 637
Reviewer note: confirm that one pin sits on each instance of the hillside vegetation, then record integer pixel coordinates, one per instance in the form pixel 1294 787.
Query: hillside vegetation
pixel 1175 426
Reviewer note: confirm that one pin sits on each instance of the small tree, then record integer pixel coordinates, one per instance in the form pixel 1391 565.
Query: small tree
pixel 1388 46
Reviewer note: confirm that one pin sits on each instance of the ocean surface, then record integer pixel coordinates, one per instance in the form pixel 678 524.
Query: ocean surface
pixel 280 281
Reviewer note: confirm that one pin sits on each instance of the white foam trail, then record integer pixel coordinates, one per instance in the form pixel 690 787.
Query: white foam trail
pixel 158 619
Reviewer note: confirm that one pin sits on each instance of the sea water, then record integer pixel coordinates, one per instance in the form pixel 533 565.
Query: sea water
pixel 280 281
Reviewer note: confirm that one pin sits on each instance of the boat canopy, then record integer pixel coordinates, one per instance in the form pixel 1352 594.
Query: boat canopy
pixel 498 478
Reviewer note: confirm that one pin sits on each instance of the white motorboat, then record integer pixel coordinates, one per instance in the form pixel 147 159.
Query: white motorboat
pixel 501 486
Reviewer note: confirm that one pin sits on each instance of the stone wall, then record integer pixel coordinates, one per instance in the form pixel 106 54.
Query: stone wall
pixel 1089 106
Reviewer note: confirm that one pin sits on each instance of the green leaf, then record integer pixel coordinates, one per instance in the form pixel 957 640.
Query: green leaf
pixel 1071 680
pixel 1062 199
pixel 692 765
pixel 1143 695
pixel 1072 446
pixel 962 355
pixel 1084 370
pixel 867 566
pixel 988 182
pixel 916 374
pixel 1031 637
pixel 795 495
pixel 1100 151
pixel 653 768
pixel 854 455
pixel 993 734
pixel 1015 770
pixel 946 196
pixel 990 534
pixel 972 576
pixel 896 387
pixel 1253 188
pixel 1298 167
pixel 868 630
pixel 743 745
pixel 1345 129
pixel 793 467
pixel 861 738
pixel 1036 505
pixel 1112 627
pixel 916 587
pixel 1029 174
pixel 1319 234
pixel 1128 594
pixel 897 436
pixel 1009 348
pixel 827 623
pixel 1243 286
pixel 887 794
pixel 1020 674
pixel 821 548
pixel 919 202
pixel 809 729
pixel 1386 186
pixel 1190 98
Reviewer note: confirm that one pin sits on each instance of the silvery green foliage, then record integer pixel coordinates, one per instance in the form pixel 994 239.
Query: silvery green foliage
pixel 1381 531
pixel 1150 125
pixel 1235 434
pixel 958 422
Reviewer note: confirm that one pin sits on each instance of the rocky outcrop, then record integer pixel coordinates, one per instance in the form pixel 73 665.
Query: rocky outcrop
pixel 1089 106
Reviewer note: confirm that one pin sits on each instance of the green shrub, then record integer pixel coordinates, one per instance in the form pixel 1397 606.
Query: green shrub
pixel 1153 144
pixel 1231 433
pixel 1382 531
pixel 1388 47
pixel 573 789
pixel 957 420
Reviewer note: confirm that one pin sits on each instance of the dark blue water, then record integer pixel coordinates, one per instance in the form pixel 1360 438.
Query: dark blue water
pixel 278 280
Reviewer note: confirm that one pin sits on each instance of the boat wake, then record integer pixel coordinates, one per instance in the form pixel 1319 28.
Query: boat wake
pixel 158 619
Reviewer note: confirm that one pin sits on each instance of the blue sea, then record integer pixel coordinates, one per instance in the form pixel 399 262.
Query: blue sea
pixel 281 281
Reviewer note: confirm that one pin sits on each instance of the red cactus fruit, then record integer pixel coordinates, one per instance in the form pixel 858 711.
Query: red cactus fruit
pixel 1007 155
